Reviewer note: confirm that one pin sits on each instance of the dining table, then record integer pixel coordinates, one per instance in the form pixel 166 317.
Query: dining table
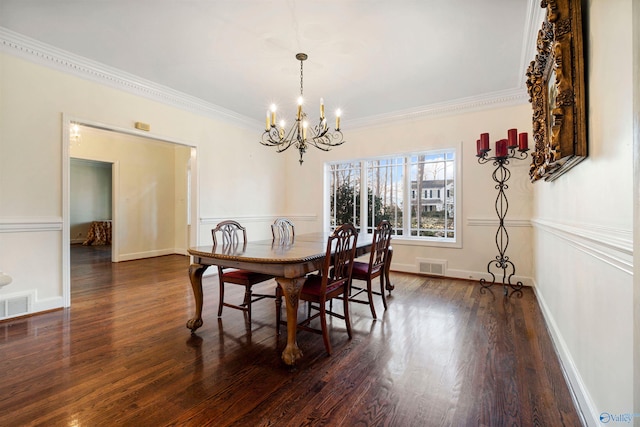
pixel 288 261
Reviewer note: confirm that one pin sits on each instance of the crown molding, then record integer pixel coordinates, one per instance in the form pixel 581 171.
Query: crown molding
pixel 532 25
pixel 506 98
pixel 50 56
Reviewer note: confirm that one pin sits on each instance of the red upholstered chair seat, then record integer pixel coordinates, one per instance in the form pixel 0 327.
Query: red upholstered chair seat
pixel 361 270
pixel 244 276
pixel 231 237
pixel 313 286
pixel 367 271
pixel 332 282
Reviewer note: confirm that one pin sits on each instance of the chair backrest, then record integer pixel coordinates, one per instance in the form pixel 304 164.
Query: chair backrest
pixel 380 245
pixel 230 234
pixel 283 231
pixel 341 250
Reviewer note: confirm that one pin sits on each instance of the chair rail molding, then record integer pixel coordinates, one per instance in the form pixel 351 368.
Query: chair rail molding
pixel 256 218
pixel 493 222
pixel 610 245
pixel 27 224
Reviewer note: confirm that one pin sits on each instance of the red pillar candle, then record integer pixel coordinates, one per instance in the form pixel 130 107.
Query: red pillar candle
pixel 478 148
pixel 523 141
pixel 512 135
pixel 501 148
pixel 484 141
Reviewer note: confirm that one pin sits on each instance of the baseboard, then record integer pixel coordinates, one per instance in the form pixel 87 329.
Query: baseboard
pixel 461 274
pixel 581 397
pixel 147 254
pixel 48 304
pixel 35 306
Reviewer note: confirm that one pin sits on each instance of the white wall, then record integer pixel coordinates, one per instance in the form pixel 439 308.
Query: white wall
pixel 182 155
pixel 583 229
pixel 230 167
pixel 90 200
pixel 151 190
pixel 478 222
pixel 636 205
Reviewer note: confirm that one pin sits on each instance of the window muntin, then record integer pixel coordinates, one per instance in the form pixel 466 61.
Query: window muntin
pixel 421 213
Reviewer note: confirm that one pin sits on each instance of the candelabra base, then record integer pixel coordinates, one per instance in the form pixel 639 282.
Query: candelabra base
pixel 507 269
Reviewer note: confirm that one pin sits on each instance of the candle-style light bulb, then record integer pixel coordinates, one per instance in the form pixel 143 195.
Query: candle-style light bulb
pixel 273 114
pixel 281 131
pixel 268 125
pixel 321 108
pixel 305 125
pixel 300 100
pixel 338 113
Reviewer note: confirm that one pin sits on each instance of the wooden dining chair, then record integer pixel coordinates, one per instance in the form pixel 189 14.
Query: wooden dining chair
pixel 378 259
pixel 332 282
pixel 283 231
pixel 233 238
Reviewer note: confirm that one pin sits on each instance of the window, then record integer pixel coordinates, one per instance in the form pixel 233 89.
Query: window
pixel 345 194
pixel 399 189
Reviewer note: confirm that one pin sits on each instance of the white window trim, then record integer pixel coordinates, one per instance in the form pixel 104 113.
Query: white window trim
pixel 407 240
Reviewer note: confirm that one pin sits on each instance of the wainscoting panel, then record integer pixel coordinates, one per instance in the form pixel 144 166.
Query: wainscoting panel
pixel 29 253
pixel 584 286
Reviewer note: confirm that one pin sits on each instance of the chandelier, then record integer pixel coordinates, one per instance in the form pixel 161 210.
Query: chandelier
pixel 301 134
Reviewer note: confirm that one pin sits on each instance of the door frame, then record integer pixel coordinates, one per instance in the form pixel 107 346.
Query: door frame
pixel 193 224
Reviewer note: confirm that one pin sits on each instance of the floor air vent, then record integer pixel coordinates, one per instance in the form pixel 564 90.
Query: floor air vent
pixel 432 267
pixel 14 306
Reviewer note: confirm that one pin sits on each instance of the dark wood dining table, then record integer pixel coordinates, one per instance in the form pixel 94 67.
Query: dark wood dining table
pixel 288 262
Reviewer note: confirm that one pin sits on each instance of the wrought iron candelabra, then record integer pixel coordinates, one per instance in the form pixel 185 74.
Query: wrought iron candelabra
pixel 515 147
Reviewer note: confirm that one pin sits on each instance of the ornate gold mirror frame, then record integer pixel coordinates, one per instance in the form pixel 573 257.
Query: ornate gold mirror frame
pixel 555 82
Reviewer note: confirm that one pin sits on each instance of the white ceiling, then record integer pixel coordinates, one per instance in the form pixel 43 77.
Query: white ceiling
pixel 371 58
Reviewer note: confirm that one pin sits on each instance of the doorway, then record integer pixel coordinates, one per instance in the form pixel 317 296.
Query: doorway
pixel 152 191
pixel 91 201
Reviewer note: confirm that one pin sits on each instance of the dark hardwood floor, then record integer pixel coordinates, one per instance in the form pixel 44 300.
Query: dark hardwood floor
pixel 443 354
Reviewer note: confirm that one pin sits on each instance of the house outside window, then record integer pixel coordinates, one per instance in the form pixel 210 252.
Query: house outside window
pixel 399 189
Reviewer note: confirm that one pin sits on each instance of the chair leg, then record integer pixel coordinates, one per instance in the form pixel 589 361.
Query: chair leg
pixel 370 295
pixel 247 301
pixel 384 298
pixel 347 317
pixel 323 324
pixel 221 302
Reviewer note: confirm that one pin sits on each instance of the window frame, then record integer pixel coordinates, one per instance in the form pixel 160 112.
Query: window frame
pixel 404 239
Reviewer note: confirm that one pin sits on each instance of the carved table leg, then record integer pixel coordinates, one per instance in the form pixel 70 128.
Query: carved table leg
pixel 387 267
pixel 195 275
pixel 291 289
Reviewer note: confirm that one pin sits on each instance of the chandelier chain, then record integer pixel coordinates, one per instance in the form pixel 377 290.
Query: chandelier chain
pixel 301 78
